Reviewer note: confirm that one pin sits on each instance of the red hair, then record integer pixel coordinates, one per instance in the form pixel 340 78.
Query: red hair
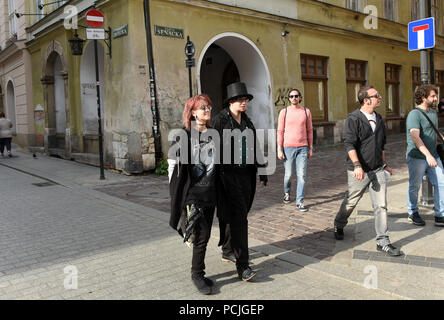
pixel 194 103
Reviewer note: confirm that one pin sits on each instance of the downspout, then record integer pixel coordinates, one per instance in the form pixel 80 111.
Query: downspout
pixel 431 58
pixel 153 90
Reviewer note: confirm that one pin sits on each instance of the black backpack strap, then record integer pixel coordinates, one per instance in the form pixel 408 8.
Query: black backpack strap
pixel 431 123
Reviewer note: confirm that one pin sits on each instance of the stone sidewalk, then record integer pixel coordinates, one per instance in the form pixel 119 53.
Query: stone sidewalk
pixel 121 245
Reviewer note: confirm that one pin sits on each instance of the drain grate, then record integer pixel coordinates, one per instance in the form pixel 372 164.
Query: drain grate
pixel 44 184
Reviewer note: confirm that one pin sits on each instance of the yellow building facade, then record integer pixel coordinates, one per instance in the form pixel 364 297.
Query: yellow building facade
pixel 327 49
pixel 65 85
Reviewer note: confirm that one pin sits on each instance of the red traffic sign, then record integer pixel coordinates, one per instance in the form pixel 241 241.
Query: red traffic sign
pixel 95 18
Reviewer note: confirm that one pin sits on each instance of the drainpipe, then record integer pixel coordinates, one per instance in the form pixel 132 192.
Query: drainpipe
pixel 431 58
pixel 153 91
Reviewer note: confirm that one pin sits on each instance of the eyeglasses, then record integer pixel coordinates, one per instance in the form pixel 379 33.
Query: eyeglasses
pixel 242 100
pixel 294 96
pixel 377 96
pixel 209 108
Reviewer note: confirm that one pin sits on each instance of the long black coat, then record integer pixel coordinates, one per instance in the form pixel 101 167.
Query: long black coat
pixel 179 185
pixel 221 121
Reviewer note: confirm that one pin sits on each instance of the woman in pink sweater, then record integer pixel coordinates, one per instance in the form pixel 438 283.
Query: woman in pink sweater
pixel 295 145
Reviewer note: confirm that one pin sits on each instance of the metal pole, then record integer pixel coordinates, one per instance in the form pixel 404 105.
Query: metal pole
pixel 426 187
pixel 190 82
pixel 102 170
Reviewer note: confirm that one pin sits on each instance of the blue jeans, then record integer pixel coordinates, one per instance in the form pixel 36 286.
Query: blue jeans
pixel 295 157
pixel 417 169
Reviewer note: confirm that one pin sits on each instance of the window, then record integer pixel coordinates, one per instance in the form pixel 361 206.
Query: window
pixel 390 10
pixel 353 5
pixel 314 77
pixel 356 78
pixel 435 14
pixel 414 9
pixel 439 82
pixel 12 18
pixel 392 84
pixel 416 80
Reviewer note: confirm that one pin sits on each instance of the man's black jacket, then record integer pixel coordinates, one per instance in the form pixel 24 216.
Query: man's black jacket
pixel 359 136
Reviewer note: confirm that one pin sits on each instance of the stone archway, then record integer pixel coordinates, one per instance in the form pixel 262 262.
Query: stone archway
pixel 57 139
pixel 233 57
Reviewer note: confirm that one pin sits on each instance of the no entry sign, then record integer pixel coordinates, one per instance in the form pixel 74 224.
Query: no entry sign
pixel 95 18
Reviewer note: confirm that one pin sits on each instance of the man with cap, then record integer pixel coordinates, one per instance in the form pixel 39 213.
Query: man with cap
pixel 237 176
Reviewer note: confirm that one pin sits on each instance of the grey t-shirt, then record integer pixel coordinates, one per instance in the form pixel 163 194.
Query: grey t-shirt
pixel 416 120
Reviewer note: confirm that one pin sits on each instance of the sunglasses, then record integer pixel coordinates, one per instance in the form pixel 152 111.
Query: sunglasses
pixel 377 96
pixel 209 108
pixel 294 96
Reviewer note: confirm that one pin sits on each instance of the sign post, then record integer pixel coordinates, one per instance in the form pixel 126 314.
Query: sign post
pixel 95 19
pixel 421 35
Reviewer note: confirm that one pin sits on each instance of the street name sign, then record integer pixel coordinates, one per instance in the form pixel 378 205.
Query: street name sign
pixel 95 34
pixel 94 18
pixel 422 34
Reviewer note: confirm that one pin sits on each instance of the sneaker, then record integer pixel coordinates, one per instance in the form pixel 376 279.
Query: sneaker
pixel 301 207
pixel 339 233
pixel 247 274
pixel 201 285
pixel 439 221
pixel 286 198
pixel 228 258
pixel 390 250
pixel 416 219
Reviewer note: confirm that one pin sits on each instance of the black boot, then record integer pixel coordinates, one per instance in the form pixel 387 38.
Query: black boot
pixel 202 284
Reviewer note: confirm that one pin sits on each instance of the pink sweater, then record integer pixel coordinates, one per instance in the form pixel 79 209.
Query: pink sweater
pixel 296 131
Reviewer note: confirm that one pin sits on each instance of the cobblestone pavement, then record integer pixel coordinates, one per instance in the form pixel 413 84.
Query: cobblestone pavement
pixel 62 240
pixel 270 220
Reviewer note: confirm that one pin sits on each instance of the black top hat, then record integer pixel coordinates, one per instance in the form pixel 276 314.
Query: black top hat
pixel 237 90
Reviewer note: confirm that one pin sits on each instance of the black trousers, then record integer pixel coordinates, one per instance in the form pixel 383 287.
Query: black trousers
pixel 202 236
pixel 5 142
pixel 237 184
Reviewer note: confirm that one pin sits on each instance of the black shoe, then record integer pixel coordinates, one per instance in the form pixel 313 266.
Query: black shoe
pixel 9 155
pixel 301 207
pixel 390 250
pixel 339 233
pixel 439 221
pixel 202 284
pixel 416 219
pixel 246 274
pixel 228 258
pixel 209 282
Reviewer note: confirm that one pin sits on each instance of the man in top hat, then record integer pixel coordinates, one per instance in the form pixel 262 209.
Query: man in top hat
pixel 237 183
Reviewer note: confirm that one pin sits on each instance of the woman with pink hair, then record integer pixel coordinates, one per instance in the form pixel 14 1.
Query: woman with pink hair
pixel 193 187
